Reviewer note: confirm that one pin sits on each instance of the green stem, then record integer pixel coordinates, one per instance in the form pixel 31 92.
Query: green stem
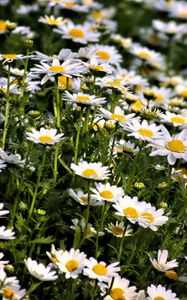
pixel 37 184
pixel 100 228
pixel 55 169
pixel 7 110
pixel 94 290
pixel 33 287
pixel 78 138
pixel 23 98
pixel 121 245
pixel 58 106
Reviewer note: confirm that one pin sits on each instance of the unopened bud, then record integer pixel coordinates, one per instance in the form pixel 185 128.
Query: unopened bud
pixel 110 124
pixel 171 274
pixel 139 185
pixel 163 205
pixel 29 43
pixel 34 113
pixel 9 268
pixel 162 185
pixel 23 205
pixel 41 212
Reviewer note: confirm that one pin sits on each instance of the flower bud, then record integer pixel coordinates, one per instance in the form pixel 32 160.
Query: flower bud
pixel 41 212
pixel 29 43
pixel 9 268
pixel 34 113
pixel 163 205
pixel 110 124
pixel 139 185
pixel 171 274
pixel 162 185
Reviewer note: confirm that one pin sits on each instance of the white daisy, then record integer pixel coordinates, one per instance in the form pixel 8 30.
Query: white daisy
pixel 13 292
pixel 174 147
pixel 52 21
pixel 118 228
pixel 11 158
pixel 10 57
pixel 82 198
pixel 118 115
pixel 99 270
pixel 77 33
pixel 120 289
pixel 160 292
pixel 82 98
pixel 6 234
pixel 125 146
pixel 3 212
pixel 94 171
pixel 175 119
pixel 106 192
pixel 72 263
pixel 40 271
pixel 54 255
pixel 161 263
pixel 143 130
pixel 152 218
pixel 44 136
pixel 105 54
pixel 69 68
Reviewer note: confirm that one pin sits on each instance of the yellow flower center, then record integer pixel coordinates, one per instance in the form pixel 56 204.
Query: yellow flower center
pixel 83 98
pixel 84 199
pixel 148 216
pixel 183 14
pixel 90 173
pixel 103 55
pixel 145 132
pixel 77 33
pixel 119 149
pixel 4 90
pixel 45 139
pixel 72 265
pixel 53 22
pixel 128 149
pixel 118 117
pixel 8 293
pixel 130 212
pixel 69 4
pixel 145 55
pixel 176 102
pixel 9 56
pixel 57 69
pixel 3 26
pixel 114 83
pixel 117 294
pixel 183 93
pixel 175 146
pixel 168 4
pixel 97 15
pixel 180 120
pixel 159 98
pixel 106 194
pixel 183 171
pixel 171 274
pixel 159 298
pixel 100 269
pixel 99 68
pixel 137 106
pixel 65 82
pixel 54 260
pixel 117 230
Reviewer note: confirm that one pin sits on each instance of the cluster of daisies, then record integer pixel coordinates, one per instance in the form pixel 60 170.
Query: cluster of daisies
pixel 129 108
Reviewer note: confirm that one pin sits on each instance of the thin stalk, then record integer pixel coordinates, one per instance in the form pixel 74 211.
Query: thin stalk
pixel 37 184
pixel 78 138
pixel 55 167
pixel 121 245
pixel 33 287
pixel 94 290
pixel 23 100
pixel 7 110
pixel 100 228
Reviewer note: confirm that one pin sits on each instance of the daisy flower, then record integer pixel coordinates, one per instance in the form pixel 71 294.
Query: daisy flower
pixel 82 98
pixel 106 192
pixel 161 263
pixel 69 68
pixel 170 28
pixel 13 292
pixel 82 198
pixel 175 119
pixel 94 65
pixel 40 271
pixel 160 292
pixel 146 54
pixel 174 147
pixel 125 146
pixel 11 158
pixel 105 54
pixel 6 234
pixel 130 208
pixel 81 224
pixel 118 228
pixel 10 57
pixel 2 262
pixel 99 270
pixel 44 136
pixel 54 255
pixel 3 212
pixel 113 83
pixel 120 289
pixel 118 115
pixel 52 21
pixel 77 33
pixel 152 218
pixel 142 130
pixel 4 26
pixel 72 263
pixel 94 171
